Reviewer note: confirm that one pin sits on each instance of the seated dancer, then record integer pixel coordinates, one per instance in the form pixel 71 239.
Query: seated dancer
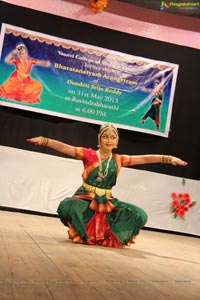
pixel 20 86
pixel 93 215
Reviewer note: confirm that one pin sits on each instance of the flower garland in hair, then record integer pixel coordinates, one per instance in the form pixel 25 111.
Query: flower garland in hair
pixel 98 5
pixel 181 203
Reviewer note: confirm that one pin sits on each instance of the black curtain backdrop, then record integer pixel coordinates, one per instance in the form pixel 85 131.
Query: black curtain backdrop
pixel 184 138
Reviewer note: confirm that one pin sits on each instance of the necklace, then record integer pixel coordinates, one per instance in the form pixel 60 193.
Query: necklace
pixel 24 64
pixel 102 174
pixel 103 154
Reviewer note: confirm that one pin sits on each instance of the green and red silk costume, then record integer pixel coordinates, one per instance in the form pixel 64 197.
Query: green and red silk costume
pixel 92 214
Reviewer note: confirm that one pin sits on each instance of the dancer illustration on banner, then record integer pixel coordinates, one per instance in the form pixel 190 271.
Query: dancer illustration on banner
pixel 20 86
pixel 93 215
pixel 154 111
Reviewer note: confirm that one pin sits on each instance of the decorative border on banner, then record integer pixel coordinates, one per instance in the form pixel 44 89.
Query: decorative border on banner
pixel 78 81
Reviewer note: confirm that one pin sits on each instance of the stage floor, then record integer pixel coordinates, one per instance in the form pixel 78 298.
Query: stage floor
pixel 37 261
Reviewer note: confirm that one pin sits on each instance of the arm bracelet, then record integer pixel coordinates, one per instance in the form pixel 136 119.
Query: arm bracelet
pixel 45 141
pixel 166 159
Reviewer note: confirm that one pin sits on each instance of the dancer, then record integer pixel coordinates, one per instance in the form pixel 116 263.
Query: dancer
pixel 20 86
pixel 93 215
pixel 154 110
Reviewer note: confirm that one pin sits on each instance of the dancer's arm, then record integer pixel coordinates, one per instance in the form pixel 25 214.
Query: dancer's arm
pixel 54 144
pixel 156 158
pixel 42 63
pixel 9 58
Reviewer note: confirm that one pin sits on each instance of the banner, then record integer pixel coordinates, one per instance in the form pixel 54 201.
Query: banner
pixel 60 77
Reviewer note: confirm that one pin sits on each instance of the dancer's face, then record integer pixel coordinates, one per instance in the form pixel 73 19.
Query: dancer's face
pixel 23 54
pixel 108 140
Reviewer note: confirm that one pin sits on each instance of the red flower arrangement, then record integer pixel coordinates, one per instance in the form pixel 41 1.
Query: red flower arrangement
pixel 98 5
pixel 180 204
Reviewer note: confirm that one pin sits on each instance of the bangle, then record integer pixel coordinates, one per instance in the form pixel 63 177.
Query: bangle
pixel 45 141
pixel 166 159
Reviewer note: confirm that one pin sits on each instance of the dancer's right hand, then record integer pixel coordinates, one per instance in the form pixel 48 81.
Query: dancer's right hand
pixel 36 140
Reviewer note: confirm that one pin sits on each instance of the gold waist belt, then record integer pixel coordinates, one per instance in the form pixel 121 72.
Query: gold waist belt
pixel 23 74
pixel 96 190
